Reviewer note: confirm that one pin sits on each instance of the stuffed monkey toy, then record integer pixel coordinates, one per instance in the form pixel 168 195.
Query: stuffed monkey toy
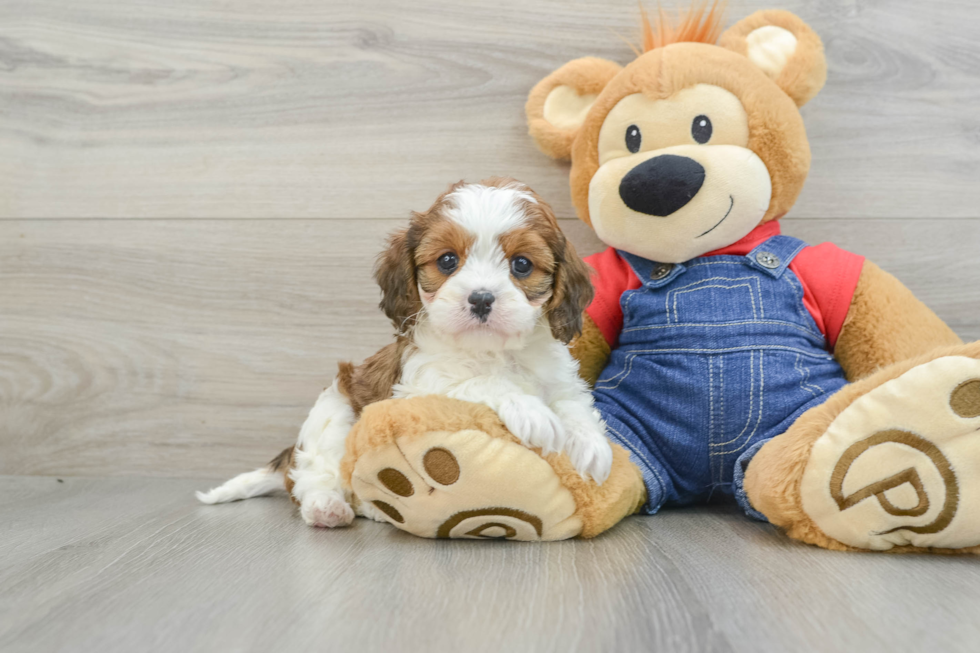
pixel 726 357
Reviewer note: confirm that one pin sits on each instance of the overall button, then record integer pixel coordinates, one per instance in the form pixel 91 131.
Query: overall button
pixel 661 270
pixel 767 260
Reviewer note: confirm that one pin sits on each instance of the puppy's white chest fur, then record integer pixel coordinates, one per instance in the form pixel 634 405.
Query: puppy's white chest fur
pixel 531 366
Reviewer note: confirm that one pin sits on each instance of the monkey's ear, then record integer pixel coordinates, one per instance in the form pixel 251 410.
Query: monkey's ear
pixel 784 48
pixel 558 104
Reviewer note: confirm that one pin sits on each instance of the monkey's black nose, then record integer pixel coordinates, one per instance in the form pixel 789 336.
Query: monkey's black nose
pixel 480 302
pixel 662 185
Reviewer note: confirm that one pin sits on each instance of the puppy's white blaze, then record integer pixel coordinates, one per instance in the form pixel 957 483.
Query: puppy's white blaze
pixel 487 213
pixel 481 272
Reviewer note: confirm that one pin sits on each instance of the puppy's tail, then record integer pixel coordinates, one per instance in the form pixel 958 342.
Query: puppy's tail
pixel 252 484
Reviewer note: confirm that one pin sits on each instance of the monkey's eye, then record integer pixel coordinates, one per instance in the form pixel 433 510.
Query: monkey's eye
pixel 521 266
pixel 633 139
pixel 701 129
pixel 447 263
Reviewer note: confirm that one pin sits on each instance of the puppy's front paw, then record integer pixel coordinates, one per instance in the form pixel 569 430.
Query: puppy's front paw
pixel 326 510
pixel 533 423
pixel 589 451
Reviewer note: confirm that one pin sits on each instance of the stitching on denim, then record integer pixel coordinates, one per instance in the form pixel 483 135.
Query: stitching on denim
pixel 711 398
pixel 798 294
pixel 626 307
pixel 721 363
pixel 629 358
pixel 800 246
pixel 642 456
pixel 692 350
pixel 805 316
pixel 627 370
pixel 758 422
pixel 738 262
pixel 716 464
pixel 804 329
pixel 754 291
pixel 711 408
pixel 748 420
pixel 805 378
pixel 701 281
pixel 755 313
pixel 762 299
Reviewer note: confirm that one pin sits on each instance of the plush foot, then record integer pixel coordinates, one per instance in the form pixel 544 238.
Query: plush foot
pixel 900 465
pixel 465 485
pixel 444 468
pixel 326 510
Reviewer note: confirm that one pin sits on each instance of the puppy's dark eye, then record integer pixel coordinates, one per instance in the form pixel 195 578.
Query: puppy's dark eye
pixel 447 263
pixel 701 129
pixel 633 139
pixel 521 266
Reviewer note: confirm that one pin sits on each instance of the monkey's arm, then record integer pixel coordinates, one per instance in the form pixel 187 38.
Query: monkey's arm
pixel 591 351
pixel 886 323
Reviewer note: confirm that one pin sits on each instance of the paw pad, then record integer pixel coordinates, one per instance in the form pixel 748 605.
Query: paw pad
pixel 441 465
pixel 389 510
pixel 965 399
pixel 395 481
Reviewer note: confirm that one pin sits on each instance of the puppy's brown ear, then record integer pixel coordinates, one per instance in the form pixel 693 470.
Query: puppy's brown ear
pixel 395 273
pixel 573 293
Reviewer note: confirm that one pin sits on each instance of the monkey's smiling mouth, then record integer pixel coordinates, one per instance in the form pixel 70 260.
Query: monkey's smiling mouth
pixel 730 207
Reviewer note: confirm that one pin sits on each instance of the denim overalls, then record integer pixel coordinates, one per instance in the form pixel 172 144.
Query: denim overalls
pixel 716 356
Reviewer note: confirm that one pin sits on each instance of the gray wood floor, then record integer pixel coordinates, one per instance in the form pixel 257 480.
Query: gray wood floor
pixel 191 196
pixel 119 564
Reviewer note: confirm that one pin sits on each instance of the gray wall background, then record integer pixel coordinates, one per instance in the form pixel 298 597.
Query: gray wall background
pixel 192 193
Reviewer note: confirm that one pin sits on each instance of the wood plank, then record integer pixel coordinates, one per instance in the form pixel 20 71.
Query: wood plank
pixel 332 109
pixel 196 347
pixel 136 564
pixel 129 341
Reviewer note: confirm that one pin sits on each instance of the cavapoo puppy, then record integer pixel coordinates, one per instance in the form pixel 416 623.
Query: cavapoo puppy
pixel 485 293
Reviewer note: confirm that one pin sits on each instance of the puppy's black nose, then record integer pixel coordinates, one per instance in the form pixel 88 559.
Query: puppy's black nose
pixel 480 302
pixel 662 185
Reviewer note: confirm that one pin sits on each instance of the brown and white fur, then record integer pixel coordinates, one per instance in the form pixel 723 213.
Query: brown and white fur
pixel 485 294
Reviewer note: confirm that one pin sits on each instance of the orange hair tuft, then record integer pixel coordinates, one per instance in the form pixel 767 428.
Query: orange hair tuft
pixel 701 24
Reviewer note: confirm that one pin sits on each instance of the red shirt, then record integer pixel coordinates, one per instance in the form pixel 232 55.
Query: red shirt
pixel 828 273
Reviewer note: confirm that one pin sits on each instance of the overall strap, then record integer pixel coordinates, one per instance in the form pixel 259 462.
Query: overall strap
pixel 774 255
pixel 650 273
